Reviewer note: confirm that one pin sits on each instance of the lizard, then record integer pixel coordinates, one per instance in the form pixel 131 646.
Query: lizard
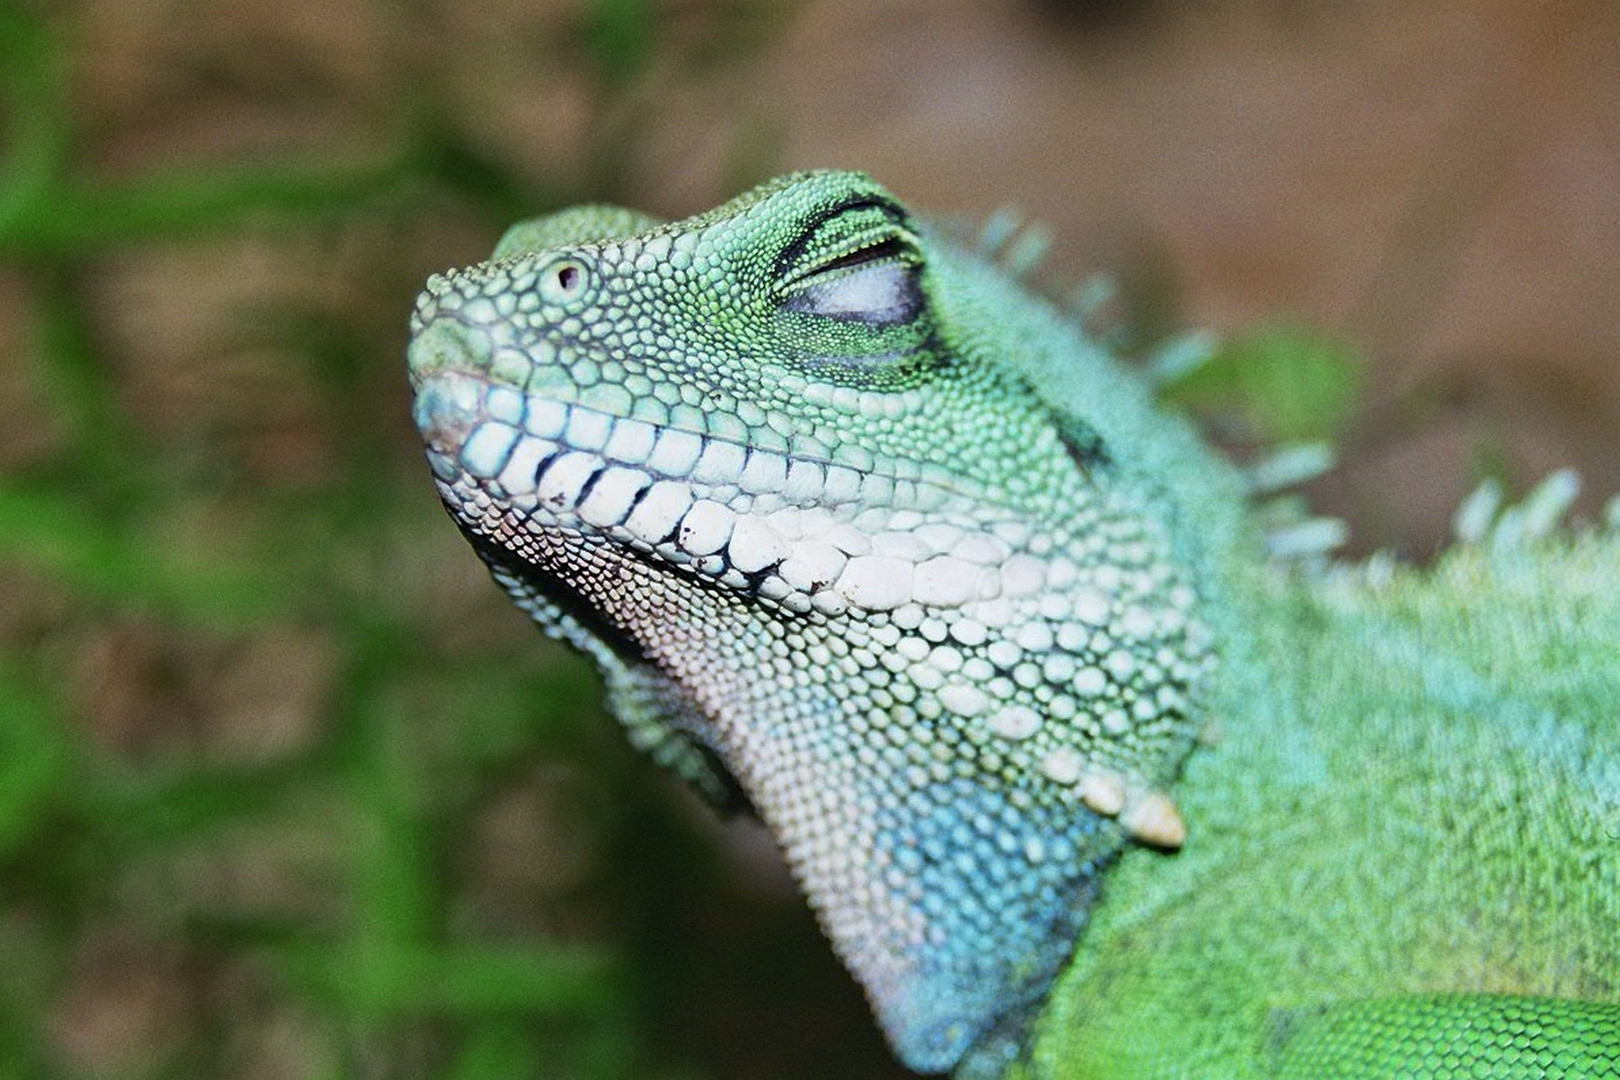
pixel 872 542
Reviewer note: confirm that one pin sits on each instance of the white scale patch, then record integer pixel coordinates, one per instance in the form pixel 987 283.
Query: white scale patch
pixel 659 511
pixel 627 474
pixel 611 495
pixel 486 449
pixel 705 528
pixel 755 545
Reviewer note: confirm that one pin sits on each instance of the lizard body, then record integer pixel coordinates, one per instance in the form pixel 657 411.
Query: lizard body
pixel 867 539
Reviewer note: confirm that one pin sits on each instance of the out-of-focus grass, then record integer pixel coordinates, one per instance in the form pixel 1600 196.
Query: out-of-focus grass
pixel 282 792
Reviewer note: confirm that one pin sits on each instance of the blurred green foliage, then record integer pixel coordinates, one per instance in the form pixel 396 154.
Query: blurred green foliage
pixel 1275 385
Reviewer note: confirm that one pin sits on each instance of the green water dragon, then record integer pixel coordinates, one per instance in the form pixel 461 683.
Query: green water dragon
pixel 1080 779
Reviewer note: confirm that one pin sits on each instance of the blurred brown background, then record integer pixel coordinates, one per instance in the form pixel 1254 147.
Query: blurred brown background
pixel 289 790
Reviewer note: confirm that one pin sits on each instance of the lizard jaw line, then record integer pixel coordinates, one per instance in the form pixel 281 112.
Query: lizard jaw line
pixel 779 527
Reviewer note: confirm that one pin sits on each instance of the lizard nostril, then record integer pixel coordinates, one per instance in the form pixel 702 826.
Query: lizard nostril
pixel 448 344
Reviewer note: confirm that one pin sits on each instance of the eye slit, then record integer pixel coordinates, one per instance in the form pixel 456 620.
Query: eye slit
pixel 891 248
pixel 564 281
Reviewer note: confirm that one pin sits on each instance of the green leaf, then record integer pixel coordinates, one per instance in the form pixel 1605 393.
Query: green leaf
pixel 620 35
pixel 1278 384
pixel 112 561
pixel 35 758
pixel 388 980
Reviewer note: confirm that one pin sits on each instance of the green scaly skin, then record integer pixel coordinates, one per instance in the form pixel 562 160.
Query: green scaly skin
pixel 865 538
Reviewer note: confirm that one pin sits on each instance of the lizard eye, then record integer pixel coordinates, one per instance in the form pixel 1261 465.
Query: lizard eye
pixel 563 281
pixel 876 285
pixel 857 263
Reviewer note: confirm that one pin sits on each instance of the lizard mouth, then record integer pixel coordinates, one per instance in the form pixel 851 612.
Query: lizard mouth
pixel 807 534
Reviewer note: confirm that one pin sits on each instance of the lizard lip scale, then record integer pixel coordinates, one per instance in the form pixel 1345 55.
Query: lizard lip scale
pixel 751 518
pixel 834 567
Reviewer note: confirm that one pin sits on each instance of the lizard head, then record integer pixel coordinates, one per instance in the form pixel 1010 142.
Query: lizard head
pixel 784 470
pixel 777 354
